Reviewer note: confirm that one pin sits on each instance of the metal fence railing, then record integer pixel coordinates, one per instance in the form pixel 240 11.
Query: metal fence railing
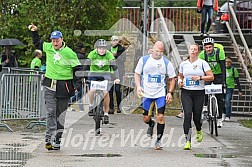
pixel 242 9
pixel 129 100
pixel 184 18
pixel 21 98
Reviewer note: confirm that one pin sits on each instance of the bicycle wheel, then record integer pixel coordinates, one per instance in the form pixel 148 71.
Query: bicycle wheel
pixel 97 117
pixel 214 113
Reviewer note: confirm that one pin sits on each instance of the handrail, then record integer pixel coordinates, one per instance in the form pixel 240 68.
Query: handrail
pixel 240 33
pixel 176 57
pixel 173 7
pixel 239 53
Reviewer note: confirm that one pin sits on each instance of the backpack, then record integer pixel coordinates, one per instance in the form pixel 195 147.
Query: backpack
pixel 218 48
pixel 145 58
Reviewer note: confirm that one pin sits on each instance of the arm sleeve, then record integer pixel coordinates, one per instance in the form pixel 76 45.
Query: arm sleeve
pixel 15 62
pixel 115 69
pixel 222 65
pixel 120 53
pixel 120 50
pixel 77 79
pixel 236 77
pixel 181 68
pixel 171 71
pixel 3 61
pixel 74 61
pixel 216 5
pixel 199 3
pixel 36 40
pixel 238 84
pixel 86 65
pixel 139 67
pixel 206 66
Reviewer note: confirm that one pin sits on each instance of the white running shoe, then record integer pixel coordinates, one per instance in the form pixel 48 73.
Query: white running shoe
pixel 219 123
pixel 205 108
pixel 227 119
pixel 223 117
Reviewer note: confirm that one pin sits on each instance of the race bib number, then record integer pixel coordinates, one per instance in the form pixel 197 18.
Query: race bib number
pixel 154 78
pixel 190 82
pixel 99 85
pixel 213 89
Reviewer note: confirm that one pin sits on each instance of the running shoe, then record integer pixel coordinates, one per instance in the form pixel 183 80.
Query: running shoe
pixel 187 146
pixel 106 119
pixel 199 136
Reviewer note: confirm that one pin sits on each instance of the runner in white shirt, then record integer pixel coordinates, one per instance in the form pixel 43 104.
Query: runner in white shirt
pixel 191 79
pixel 154 68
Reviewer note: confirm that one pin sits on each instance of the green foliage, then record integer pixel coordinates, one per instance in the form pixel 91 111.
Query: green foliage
pixel 65 16
pixel 246 122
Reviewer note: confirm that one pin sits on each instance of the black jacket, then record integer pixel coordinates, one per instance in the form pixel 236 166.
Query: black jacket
pixel 12 63
pixel 80 55
pixel 120 58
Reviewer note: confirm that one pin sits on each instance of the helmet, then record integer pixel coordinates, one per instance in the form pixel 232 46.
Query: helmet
pixel 101 43
pixel 208 40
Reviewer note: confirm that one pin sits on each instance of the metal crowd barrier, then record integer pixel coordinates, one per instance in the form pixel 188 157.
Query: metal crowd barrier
pixel 75 100
pixel 128 93
pixel 21 98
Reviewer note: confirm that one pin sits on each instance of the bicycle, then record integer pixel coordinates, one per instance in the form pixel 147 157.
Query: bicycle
pixel 98 111
pixel 213 111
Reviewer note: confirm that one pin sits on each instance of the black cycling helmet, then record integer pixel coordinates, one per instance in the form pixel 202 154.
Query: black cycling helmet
pixel 101 43
pixel 208 41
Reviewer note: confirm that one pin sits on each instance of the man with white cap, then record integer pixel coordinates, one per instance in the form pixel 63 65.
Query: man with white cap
pixel 61 65
pixel 118 51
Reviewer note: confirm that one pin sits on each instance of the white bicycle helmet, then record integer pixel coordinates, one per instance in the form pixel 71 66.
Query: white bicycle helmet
pixel 208 40
pixel 101 43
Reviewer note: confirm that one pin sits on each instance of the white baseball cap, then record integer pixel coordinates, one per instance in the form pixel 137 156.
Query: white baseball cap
pixel 114 37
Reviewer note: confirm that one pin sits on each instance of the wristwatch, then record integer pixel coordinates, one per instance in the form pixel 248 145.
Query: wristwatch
pixel 200 78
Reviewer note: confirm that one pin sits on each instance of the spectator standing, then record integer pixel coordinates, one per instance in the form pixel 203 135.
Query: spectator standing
pixel 9 59
pixel 231 78
pixel 36 61
pixel 118 51
pixel 207 7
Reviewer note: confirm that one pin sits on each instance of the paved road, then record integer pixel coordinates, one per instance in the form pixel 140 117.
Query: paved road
pixel 124 143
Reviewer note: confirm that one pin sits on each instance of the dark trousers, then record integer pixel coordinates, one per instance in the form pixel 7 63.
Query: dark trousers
pixel 117 88
pixel 207 11
pixel 56 112
pixel 192 102
pixel 220 97
pixel 229 95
